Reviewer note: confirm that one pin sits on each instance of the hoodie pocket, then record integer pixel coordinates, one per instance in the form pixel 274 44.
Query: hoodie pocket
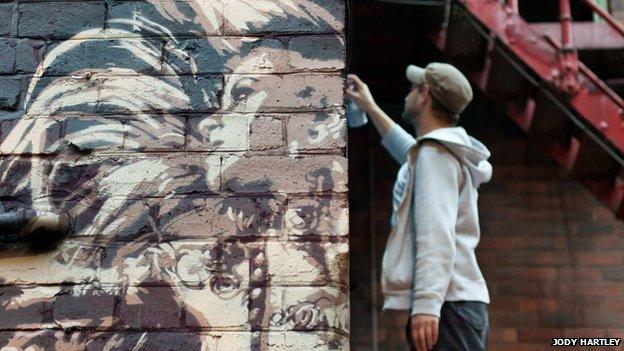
pixel 473 312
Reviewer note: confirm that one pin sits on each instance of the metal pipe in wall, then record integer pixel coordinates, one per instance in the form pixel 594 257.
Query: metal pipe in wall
pixel 567 79
pixel 38 230
pixel 565 16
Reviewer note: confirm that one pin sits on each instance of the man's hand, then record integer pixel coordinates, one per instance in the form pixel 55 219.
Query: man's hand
pixel 358 92
pixel 424 331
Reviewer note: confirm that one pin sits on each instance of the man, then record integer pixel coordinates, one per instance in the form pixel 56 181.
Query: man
pixel 445 293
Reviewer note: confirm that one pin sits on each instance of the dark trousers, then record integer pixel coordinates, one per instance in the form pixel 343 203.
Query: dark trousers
pixel 463 326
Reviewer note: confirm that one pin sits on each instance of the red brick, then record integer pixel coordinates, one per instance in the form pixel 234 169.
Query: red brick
pixel 512 320
pixel 533 258
pixel 518 347
pixel 523 242
pixel 601 213
pixel 615 333
pixel 585 333
pixel 604 290
pixel 504 303
pixel 601 318
pixel 599 259
pixel 542 334
pixel 525 289
pixel 613 274
pixel 578 274
pixel 612 243
pixel 596 228
pixel 502 335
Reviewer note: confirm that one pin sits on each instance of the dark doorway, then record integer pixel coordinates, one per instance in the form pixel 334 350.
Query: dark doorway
pixel 386 37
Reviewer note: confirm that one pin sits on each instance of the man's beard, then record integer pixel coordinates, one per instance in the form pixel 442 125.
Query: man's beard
pixel 411 115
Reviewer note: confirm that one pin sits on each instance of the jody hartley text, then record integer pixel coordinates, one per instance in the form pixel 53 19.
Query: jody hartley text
pixel 586 341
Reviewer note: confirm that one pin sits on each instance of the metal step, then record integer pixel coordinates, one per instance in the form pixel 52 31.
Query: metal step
pixel 600 47
pixel 519 66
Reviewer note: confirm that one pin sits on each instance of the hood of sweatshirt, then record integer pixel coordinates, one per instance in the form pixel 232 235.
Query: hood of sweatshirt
pixel 469 149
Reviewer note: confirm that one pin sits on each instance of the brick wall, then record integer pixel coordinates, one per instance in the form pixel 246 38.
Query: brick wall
pixel 551 253
pixel 199 147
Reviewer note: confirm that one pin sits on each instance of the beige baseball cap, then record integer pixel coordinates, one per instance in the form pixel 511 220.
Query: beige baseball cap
pixel 446 83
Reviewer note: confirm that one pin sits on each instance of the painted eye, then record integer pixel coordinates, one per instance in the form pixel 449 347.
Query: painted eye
pixel 241 93
pixel 243 88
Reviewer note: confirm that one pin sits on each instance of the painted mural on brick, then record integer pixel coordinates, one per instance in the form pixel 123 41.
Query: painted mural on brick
pixel 198 148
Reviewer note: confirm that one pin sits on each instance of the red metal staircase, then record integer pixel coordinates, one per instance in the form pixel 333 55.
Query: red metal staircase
pixel 565 94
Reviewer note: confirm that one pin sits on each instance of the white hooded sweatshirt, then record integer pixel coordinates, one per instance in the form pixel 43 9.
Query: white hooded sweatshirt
pixel 441 214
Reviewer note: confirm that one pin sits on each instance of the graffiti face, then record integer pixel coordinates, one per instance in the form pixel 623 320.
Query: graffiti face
pixel 140 132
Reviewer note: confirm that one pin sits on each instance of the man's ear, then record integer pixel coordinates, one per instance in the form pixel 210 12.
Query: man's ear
pixel 424 92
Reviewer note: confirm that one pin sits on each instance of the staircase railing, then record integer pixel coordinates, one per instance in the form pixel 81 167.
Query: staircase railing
pixel 605 15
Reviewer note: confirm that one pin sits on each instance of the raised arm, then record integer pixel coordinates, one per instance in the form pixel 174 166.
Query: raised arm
pixel 394 138
pixel 359 92
pixel 398 142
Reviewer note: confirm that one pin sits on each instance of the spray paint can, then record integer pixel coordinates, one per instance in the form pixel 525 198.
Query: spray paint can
pixel 356 117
